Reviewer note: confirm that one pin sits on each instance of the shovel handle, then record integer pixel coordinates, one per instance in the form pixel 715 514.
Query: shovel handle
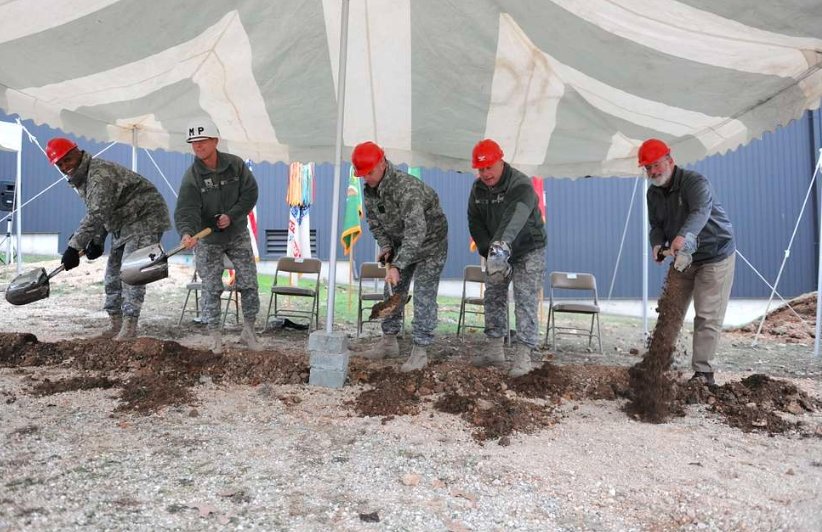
pixel 387 266
pixel 62 267
pixel 202 234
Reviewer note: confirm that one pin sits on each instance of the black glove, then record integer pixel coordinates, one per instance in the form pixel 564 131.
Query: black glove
pixel 93 250
pixel 71 258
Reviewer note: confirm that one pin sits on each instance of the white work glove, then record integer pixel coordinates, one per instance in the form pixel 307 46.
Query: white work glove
pixel 497 264
pixel 684 256
pixel 682 261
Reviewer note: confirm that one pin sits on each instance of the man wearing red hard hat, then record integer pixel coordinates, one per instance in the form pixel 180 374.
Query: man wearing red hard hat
pixel 118 202
pixel 506 224
pixel 406 219
pixel 686 216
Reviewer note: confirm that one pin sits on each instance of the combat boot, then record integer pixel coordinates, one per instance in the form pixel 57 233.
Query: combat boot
pixel 128 330
pixel 521 364
pixel 249 337
pixel 115 326
pixel 417 360
pixel 386 347
pixel 491 354
pixel 216 345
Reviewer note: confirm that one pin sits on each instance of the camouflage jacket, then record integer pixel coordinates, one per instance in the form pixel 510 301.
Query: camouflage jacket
pixel 204 193
pixel 118 201
pixel 507 212
pixel 404 214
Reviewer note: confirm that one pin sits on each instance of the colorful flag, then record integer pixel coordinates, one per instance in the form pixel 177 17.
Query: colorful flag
pixel 415 171
pixel 353 214
pixel 539 185
pixel 299 196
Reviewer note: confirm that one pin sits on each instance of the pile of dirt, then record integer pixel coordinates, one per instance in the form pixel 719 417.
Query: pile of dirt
pixel 652 388
pixel 49 387
pixel 153 374
pixel 794 323
pixel 756 403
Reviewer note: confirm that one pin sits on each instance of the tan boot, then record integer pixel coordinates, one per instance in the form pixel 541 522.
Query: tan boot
pixel 417 360
pixel 521 364
pixel 386 347
pixel 491 354
pixel 249 337
pixel 128 330
pixel 115 326
pixel 216 345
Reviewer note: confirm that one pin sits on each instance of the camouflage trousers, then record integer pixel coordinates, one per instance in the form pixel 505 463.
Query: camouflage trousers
pixel 527 274
pixel 123 299
pixel 426 276
pixel 210 266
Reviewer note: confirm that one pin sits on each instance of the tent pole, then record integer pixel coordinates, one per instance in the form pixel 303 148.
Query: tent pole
pixel 18 205
pixel 787 254
pixel 644 244
pixel 134 148
pixel 819 276
pixel 335 196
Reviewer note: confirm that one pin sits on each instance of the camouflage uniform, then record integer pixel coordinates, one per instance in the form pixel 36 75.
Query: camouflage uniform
pixel 127 206
pixel 509 212
pixel 204 193
pixel 404 214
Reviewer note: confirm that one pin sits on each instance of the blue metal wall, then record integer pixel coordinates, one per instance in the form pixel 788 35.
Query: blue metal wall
pixel 761 185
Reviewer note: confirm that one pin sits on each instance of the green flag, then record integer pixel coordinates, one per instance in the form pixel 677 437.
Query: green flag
pixel 353 214
pixel 415 171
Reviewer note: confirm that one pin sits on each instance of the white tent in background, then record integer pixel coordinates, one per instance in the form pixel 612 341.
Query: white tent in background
pixel 11 139
pixel 569 87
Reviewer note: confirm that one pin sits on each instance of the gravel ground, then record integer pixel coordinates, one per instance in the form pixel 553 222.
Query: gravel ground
pixel 294 457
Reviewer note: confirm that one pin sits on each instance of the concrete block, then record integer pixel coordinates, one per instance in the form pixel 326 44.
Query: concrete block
pixel 327 378
pixel 324 342
pixel 335 361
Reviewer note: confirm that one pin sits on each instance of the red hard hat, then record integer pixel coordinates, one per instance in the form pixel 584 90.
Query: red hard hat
pixel 651 151
pixel 365 157
pixel 486 153
pixel 58 147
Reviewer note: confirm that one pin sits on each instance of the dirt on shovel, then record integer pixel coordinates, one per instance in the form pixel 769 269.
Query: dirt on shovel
pixel 383 309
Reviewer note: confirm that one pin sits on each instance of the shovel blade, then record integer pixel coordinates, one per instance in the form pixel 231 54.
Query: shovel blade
pixel 145 265
pixel 385 308
pixel 28 287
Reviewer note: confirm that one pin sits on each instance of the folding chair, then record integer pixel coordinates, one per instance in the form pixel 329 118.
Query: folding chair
pixel 573 281
pixel 371 271
pixel 230 295
pixel 475 275
pixel 290 265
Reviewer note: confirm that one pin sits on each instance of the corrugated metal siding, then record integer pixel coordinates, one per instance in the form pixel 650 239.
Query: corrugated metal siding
pixel 761 185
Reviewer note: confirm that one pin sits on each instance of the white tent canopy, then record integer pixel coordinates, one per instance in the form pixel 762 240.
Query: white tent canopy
pixel 568 87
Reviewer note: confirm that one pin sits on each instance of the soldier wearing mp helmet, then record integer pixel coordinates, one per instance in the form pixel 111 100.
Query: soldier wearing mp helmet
pixel 218 191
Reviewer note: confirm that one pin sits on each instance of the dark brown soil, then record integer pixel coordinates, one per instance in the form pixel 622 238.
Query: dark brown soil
pixel 756 403
pixel 49 387
pixel 383 309
pixel 785 325
pixel 652 388
pixel 153 374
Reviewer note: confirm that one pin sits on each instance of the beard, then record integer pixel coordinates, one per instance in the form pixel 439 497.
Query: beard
pixel 661 180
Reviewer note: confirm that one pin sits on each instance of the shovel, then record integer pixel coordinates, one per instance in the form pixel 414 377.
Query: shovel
pixel 385 308
pixel 150 263
pixel 32 285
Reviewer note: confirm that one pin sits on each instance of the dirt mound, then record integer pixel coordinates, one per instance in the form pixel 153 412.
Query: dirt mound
pixel 49 387
pixel 153 374
pixel 787 325
pixel 756 403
